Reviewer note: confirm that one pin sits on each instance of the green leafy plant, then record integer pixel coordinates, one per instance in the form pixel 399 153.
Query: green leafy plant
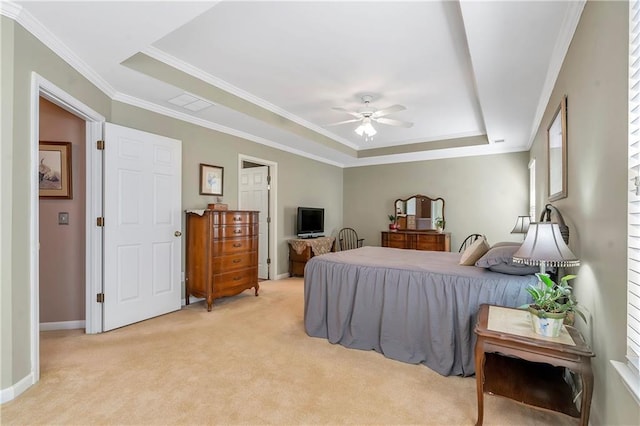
pixel 554 298
pixel 440 222
pixel 392 218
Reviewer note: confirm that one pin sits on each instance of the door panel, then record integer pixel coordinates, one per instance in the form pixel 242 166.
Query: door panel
pixel 254 195
pixel 142 191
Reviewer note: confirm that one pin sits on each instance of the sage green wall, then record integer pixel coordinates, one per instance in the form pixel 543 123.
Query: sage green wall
pixel 483 194
pixel 23 54
pixel 301 181
pixel 594 78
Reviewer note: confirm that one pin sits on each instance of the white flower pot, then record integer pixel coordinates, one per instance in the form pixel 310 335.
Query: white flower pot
pixel 548 326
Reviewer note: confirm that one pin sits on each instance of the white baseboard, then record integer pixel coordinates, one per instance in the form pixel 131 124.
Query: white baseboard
pixel 282 276
pixel 62 325
pixel 192 299
pixel 14 391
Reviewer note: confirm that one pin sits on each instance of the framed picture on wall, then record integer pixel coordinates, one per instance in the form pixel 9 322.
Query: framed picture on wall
pixel 211 179
pixel 557 153
pixel 54 170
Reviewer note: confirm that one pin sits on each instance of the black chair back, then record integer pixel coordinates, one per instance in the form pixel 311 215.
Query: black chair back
pixel 348 239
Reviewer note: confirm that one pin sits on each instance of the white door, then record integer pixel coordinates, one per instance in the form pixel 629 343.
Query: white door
pixel 142 224
pixel 254 195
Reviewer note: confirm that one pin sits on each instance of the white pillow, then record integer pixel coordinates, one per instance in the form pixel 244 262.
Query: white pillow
pixel 474 252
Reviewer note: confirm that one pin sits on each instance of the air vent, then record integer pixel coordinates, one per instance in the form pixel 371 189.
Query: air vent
pixel 190 102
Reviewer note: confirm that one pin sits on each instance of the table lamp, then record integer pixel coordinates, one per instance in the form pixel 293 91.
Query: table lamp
pixel 522 225
pixel 544 245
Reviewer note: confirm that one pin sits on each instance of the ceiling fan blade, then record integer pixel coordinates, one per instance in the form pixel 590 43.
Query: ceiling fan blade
pixel 354 113
pixel 353 120
pixel 387 111
pixel 392 122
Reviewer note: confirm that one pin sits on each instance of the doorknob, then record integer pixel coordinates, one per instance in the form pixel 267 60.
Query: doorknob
pixel 177 233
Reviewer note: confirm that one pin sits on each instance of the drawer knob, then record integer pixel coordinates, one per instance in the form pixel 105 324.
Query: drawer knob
pixel 237 260
pixel 237 219
pixel 237 278
pixel 238 231
pixel 237 245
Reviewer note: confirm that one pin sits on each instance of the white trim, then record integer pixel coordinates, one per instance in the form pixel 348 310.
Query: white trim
pixel 42 33
pixel 196 72
pixel 282 276
pixel 159 109
pixel 273 206
pixel 15 390
pixel 568 28
pixel 629 378
pixel 42 87
pixel 62 325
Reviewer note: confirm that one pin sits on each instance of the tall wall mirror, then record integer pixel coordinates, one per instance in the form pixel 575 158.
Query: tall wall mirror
pixel 418 212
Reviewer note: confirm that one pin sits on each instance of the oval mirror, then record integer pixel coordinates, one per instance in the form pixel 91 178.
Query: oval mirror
pixel 419 212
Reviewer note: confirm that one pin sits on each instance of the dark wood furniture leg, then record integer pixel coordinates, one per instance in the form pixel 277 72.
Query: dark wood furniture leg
pixel 479 353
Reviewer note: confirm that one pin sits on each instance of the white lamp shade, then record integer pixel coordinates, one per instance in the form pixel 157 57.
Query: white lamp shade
pixel 543 244
pixel 522 225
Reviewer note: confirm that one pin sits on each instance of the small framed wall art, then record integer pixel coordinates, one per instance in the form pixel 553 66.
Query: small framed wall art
pixel 211 179
pixel 54 170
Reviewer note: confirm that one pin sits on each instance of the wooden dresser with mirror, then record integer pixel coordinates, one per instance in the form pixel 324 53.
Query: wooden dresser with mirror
pixel 420 225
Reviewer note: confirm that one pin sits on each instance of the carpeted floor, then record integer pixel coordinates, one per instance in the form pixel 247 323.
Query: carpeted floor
pixel 248 361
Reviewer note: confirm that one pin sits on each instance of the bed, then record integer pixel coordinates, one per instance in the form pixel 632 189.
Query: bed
pixel 411 306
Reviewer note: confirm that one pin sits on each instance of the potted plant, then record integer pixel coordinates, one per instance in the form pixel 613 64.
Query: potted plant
pixel 439 224
pixel 393 225
pixel 551 304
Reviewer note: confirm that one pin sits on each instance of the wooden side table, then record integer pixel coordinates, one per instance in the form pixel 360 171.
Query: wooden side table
pixel 513 362
pixel 301 250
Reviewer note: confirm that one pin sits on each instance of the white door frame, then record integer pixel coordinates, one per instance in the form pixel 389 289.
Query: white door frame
pixel 93 256
pixel 273 204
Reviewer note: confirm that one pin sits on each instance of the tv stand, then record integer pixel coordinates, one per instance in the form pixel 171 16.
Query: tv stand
pixel 309 236
pixel 303 249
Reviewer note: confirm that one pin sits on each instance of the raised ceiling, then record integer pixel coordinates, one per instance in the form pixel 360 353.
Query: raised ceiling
pixel 474 76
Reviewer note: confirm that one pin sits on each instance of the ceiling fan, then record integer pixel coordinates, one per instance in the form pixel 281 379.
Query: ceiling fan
pixel 369 114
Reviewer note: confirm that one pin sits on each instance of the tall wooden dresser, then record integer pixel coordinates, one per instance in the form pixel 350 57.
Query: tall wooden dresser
pixel 222 253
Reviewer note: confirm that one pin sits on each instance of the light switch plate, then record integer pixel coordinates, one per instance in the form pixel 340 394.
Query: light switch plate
pixel 63 218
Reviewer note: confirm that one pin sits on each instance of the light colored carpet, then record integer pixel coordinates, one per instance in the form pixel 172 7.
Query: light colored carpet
pixel 248 361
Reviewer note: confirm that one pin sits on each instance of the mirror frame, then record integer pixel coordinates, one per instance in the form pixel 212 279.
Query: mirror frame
pixel 419 196
pixel 557 164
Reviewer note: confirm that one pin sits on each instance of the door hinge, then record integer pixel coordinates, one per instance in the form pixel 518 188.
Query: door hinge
pixel 100 221
pixel 268 261
pixel 100 145
pixel 100 297
pixel 268 219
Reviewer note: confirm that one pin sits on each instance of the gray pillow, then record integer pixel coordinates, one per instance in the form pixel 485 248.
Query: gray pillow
pixel 500 259
pixel 514 269
pixel 497 255
pixel 506 243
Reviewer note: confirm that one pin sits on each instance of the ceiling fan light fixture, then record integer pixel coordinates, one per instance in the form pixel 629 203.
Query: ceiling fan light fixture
pixel 366 128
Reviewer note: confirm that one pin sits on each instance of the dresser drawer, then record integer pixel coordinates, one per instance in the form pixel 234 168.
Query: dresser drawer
pixel 240 278
pixel 231 231
pixel 235 218
pixel 234 245
pixel 234 261
pixel 432 242
pixel 393 237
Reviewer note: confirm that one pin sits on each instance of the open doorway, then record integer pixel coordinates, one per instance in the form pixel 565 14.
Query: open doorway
pixel 62 232
pixel 257 184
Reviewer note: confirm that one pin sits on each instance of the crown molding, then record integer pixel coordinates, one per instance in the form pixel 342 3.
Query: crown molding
pixel 168 112
pixel 567 30
pixel 35 27
pixel 174 62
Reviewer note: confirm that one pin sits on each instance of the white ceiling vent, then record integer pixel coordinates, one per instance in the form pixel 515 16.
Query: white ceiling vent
pixel 190 102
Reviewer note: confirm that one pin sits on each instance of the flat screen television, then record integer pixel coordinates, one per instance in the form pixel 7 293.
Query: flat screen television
pixel 310 222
